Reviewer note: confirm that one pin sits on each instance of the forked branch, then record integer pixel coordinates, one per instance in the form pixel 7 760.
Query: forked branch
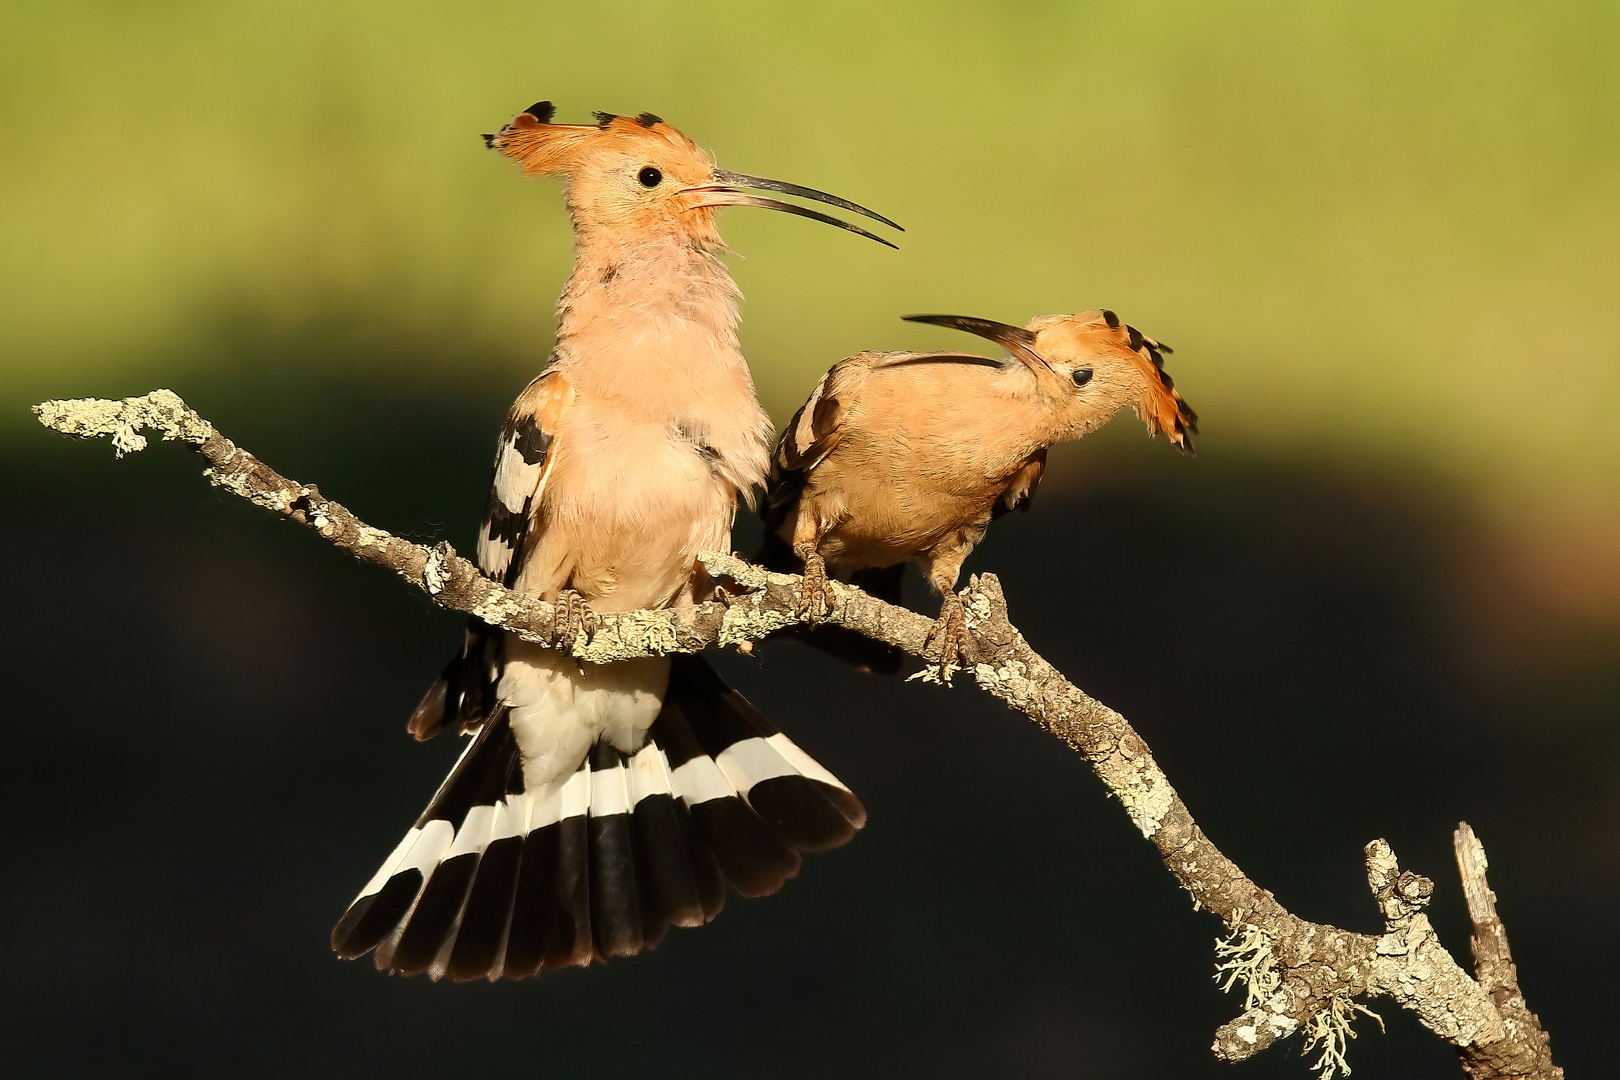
pixel 1298 976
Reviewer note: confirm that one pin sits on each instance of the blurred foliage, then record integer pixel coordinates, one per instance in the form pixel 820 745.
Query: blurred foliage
pixel 1383 238
pixel 1383 232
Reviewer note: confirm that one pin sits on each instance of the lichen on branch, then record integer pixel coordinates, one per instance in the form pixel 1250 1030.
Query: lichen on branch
pixel 1297 976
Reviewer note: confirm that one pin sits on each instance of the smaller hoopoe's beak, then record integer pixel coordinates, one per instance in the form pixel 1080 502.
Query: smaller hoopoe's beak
pixel 726 193
pixel 1015 339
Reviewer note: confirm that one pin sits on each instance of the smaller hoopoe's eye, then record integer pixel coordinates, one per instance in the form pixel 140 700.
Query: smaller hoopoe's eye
pixel 650 177
pixel 1081 376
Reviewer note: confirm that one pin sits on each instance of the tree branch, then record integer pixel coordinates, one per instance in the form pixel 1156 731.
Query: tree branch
pixel 1298 976
pixel 1498 977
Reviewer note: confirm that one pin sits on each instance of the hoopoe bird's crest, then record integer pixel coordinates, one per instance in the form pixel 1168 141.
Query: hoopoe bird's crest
pixel 1095 349
pixel 638 173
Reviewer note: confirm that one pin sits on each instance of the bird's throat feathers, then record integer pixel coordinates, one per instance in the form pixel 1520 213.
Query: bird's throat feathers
pixel 647 304
pixel 650 322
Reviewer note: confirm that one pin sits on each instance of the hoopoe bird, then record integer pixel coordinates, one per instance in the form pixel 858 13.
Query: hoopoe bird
pixel 901 456
pixel 596 806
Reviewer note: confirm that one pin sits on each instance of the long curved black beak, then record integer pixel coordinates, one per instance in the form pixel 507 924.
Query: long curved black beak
pixel 726 193
pixel 759 183
pixel 1015 339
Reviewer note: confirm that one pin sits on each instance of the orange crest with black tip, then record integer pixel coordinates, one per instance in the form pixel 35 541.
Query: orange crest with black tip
pixel 1160 407
pixel 542 148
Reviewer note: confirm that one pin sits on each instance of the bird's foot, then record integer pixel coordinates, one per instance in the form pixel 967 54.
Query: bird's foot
pixel 948 641
pixel 816 597
pixel 571 617
pixel 722 595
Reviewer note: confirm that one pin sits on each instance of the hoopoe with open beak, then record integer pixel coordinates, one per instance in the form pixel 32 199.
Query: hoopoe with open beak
pixel 904 455
pixel 596 806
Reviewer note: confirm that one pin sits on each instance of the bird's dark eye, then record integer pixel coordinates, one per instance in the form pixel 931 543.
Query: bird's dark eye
pixel 1082 376
pixel 650 177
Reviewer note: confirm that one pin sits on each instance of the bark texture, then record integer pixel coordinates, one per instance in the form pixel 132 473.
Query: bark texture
pixel 1297 976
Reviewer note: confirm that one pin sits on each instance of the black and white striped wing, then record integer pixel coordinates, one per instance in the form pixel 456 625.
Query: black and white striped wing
pixel 464 693
pixel 512 516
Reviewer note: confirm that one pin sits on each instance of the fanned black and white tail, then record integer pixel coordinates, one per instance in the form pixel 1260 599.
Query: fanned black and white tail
pixel 497 882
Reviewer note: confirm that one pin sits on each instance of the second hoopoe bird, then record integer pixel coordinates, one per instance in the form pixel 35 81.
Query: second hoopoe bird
pixel 901 455
pixel 596 806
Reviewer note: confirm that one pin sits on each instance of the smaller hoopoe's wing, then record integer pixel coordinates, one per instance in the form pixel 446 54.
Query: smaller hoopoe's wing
pixel 512 521
pixel 1021 491
pixel 806 441
pixel 815 430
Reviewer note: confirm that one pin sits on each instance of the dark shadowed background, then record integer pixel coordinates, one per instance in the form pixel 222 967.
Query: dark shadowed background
pixel 1385 596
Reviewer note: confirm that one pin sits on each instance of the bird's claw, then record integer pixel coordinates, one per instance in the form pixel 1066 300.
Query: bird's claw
pixel 571 616
pixel 816 598
pixel 948 640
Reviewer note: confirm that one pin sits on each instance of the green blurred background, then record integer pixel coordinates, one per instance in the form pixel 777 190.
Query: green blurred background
pixel 1383 238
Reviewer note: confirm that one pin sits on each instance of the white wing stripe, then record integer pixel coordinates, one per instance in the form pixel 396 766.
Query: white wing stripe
pixel 386 871
pixel 649 774
pixel 750 761
pixel 609 792
pixel 475 832
pixel 803 762
pixel 700 780
pixel 429 847
pixel 561 799
pixel 511 817
pixel 515 478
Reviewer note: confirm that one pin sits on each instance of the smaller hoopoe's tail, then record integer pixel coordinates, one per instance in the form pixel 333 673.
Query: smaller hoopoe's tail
pixel 497 882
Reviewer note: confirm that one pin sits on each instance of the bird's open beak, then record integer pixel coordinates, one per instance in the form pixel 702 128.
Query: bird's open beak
pixel 726 193
pixel 1015 339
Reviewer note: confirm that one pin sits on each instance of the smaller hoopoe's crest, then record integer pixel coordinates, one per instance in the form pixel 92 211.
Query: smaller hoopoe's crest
pixel 1067 353
pixel 1160 407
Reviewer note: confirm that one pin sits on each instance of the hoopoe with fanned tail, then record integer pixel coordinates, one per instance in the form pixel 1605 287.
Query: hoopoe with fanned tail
pixel 596 806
